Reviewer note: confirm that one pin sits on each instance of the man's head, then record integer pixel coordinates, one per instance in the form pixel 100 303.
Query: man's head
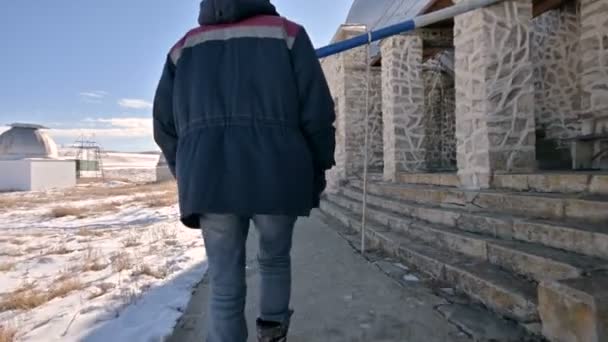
pixel 228 11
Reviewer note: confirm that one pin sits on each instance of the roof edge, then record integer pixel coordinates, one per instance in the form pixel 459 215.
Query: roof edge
pixel 26 126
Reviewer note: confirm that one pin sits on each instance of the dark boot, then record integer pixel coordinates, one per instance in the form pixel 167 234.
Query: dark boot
pixel 272 331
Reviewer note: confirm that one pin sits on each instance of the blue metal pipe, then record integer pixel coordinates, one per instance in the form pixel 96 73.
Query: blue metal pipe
pixel 410 25
pixel 365 38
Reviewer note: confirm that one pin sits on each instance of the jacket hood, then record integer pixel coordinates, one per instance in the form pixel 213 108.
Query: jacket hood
pixel 215 12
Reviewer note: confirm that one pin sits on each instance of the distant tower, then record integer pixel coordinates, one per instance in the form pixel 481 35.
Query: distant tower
pixel 163 173
pixel 89 158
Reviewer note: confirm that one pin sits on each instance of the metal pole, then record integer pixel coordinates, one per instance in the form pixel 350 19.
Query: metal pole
pixel 366 152
pixel 409 25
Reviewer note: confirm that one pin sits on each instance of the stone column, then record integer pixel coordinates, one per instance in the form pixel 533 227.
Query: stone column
pixel 403 105
pixel 594 53
pixel 495 127
pixel 347 79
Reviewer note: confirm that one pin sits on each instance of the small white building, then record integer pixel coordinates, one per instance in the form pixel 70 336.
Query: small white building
pixel 163 173
pixel 29 161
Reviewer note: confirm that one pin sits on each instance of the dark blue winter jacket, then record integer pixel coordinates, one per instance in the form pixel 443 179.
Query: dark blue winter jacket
pixel 244 115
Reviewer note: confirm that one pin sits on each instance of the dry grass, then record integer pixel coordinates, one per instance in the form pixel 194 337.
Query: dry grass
pixel 160 201
pixel 11 252
pixel 9 203
pixel 171 242
pixel 152 249
pixel 82 212
pixel 168 233
pixel 105 207
pixel 131 241
pixel 85 232
pixel 63 288
pixel 60 212
pixel 16 242
pixel 152 195
pixel 7 334
pixel 26 297
pixel 62 250
pixel 66 274
pixel 121 261
pixel 158 273
pixel 101 290
pixel 93 261
pixel 31 249
pixel 89 192
pixel 7 266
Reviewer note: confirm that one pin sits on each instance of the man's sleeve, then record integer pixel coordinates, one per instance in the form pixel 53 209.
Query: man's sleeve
pixel 165 133
pixel 317 114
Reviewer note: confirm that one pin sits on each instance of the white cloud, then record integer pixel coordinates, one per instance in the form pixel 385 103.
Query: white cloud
pixel 133 127
pixel 93 96
pixel 98 94
pixel 4 129
pixel 135 104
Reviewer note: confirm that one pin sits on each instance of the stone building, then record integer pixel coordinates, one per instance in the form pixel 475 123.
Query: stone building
pixel 476 124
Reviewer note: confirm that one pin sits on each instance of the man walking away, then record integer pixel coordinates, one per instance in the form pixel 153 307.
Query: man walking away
pixel 244 116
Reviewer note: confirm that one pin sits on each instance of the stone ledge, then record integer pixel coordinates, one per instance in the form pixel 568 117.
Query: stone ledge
pixel 556 183
pixel 599 185
pixel 587 210
pixel 440 179
pixel 575 309
pixel 587 240
pixel 529 260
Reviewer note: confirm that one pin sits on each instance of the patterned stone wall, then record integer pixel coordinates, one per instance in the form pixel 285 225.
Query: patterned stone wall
pixel 376 126
pixel 555 56
pixel 594 54
pixel 495 125
pixel 403 105
pixel 441 119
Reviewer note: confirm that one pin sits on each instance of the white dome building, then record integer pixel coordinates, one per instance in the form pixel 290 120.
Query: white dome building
pixel 29 161
pixel 24 141
pixel 163 173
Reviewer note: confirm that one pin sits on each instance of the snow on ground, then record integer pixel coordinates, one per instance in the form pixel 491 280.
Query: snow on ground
pixel 106 261
pixel 116 160
pixel 138 167
pixel 139 175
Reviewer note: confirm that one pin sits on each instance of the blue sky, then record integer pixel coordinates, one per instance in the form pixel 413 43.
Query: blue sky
pixel 92 66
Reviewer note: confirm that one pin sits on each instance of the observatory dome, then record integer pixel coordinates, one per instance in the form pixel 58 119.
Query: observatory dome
pixel 25 141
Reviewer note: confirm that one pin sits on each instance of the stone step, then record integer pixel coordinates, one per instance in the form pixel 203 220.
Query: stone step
pixel 567 182
pixel 504 293
pixel 587 239
pixel 573 208
pixel 573 182
pixel 439 179
pixel 535 262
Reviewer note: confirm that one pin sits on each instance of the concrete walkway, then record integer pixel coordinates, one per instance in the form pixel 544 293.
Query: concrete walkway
pixel 338 296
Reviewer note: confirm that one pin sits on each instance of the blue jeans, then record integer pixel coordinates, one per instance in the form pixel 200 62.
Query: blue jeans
pixel 225 241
